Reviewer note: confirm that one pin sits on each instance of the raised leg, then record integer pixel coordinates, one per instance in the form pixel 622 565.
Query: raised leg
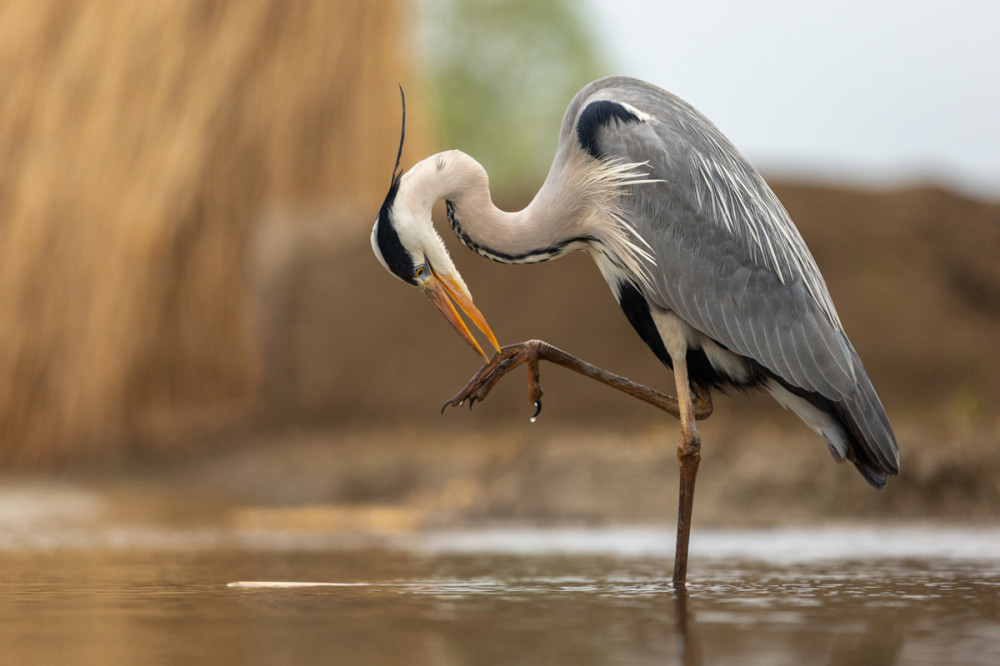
pixel 688 458
pixel 532 351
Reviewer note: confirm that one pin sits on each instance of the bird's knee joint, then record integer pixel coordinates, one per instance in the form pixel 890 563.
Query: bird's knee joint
pixel 702 403
pixel 689 448
pixel 689 455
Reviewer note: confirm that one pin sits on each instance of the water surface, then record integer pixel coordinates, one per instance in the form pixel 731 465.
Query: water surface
pixel 527 596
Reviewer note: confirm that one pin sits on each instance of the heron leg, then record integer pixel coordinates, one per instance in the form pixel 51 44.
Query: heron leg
pixel 688 459
pixel 532 351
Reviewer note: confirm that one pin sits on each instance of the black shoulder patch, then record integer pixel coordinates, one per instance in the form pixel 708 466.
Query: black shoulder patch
pixel 396 257
pixel 636 310
pixel 597 115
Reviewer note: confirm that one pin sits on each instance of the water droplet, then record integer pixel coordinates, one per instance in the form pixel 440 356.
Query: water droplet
pixel 533 418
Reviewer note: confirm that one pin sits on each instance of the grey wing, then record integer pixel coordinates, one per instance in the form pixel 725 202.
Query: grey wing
pixel 729 261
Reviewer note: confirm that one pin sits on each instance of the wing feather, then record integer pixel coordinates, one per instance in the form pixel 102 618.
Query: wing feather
pixel 723 245
pixel 728 259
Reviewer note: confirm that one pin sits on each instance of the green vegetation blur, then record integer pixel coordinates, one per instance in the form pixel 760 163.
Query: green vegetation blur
pixel 502 73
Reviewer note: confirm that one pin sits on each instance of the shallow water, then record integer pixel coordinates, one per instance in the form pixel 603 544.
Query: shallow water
pixel 846 596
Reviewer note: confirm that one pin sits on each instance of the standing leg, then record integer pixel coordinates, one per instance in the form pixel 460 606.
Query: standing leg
pixel 688 458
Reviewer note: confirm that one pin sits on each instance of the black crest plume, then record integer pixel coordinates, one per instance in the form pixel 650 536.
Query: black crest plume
pixel 402 135
pixel 396 257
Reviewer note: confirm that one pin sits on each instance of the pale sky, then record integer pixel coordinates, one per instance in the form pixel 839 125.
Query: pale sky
pixel 870 92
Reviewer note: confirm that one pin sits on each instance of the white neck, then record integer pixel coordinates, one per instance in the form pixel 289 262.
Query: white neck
pixel 512 237
pixel 578 207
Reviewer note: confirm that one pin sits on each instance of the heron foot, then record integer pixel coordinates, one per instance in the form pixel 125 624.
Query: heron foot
pixel 503 361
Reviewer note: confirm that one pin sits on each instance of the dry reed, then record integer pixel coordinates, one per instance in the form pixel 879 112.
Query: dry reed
pixel 138 141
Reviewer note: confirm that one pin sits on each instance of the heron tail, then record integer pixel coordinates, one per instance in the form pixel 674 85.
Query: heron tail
pixel 871 442
pixel 855 428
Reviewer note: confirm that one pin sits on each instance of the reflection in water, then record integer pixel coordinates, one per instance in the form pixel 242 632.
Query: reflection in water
pixel 687 636
pixel 379 605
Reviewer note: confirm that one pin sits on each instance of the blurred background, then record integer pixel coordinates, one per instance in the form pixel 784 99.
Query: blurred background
pixel 188 298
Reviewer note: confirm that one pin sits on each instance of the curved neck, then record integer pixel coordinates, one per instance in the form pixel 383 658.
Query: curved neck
pixel 546 228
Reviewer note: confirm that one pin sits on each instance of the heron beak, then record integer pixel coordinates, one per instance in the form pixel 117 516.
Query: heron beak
pixel 446 292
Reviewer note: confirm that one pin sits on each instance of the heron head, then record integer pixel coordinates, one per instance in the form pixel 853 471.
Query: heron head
pixel 406 244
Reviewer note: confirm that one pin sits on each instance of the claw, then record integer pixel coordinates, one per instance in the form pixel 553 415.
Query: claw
pixel 452 403
pixel 538 410
pixel 472 401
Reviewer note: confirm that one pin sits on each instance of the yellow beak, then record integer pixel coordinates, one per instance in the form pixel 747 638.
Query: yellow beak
pixel 445 292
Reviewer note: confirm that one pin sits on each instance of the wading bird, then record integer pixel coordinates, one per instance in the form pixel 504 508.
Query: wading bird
pixel 703 259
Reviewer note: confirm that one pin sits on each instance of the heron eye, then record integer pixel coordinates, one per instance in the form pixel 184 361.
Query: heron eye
pixel 419 271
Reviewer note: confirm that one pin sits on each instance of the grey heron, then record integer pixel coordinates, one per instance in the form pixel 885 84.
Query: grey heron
pixel 703 259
